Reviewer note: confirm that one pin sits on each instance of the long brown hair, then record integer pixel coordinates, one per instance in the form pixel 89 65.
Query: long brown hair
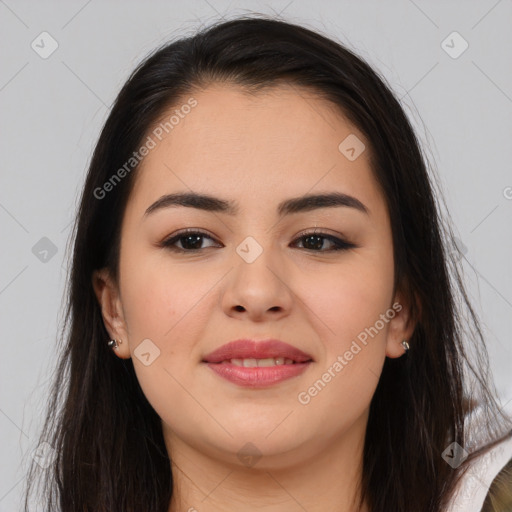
pixel 108 439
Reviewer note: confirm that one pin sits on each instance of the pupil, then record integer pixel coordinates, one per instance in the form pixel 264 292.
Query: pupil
pixel 195 245
pixel 318 245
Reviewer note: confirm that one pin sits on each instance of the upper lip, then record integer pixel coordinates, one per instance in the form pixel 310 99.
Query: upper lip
pixel 245 349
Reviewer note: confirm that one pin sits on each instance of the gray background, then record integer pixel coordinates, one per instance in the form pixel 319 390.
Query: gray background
pixel 52 111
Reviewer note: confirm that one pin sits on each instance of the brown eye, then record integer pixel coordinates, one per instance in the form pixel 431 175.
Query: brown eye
pixel 191 241
pixel 315 241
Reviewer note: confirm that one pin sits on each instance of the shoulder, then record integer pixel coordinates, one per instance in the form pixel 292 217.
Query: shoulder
pixel 474 486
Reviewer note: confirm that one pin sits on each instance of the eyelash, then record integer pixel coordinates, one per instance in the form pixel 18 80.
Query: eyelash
pixel 339 244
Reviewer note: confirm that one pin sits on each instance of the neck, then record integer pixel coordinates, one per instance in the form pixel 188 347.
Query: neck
pixel 329 480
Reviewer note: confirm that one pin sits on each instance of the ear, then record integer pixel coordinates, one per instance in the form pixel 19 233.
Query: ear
pixel 107 293
pixel 401 327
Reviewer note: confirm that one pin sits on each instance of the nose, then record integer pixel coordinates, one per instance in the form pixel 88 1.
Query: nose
pixel 259 290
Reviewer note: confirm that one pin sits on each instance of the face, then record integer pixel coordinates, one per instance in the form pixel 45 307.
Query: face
pixel 319 277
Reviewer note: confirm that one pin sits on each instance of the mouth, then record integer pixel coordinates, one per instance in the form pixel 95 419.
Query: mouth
pixel 255 364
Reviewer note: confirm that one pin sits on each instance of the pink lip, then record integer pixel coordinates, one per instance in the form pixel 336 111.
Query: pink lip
pixel 257 377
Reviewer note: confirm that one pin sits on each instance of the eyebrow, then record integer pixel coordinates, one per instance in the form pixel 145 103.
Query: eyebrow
pixel 293 205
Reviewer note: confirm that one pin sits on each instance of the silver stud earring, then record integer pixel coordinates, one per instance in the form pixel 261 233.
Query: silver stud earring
pixel 114 344
pixel 405 345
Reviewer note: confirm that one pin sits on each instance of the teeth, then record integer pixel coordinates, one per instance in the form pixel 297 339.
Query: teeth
pixel 251 363
pixel 270 361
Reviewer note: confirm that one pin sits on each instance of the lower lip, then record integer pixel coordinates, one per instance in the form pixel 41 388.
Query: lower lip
pixel 258 376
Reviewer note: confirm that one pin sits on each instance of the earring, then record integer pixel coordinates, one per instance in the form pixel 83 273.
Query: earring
pixel 405 345
pixel 114 344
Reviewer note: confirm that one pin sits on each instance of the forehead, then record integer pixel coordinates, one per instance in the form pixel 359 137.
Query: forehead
pixel 281 140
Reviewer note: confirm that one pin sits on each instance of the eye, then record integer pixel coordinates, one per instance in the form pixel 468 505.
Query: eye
pixel 190 239
pixel 313 241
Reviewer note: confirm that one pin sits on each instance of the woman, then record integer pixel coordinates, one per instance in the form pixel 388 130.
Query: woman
pixel 312 355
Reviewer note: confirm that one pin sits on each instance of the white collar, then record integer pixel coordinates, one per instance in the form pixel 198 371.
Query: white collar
pixel 474 486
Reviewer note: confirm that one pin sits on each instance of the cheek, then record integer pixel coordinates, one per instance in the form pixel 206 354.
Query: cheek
pixel 354 304
pixel 352 297
pixel 167 304
pixel 341 389
pixel 158 295
pixel 150 303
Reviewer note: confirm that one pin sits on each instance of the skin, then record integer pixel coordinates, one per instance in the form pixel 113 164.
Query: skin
pixel 258 150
